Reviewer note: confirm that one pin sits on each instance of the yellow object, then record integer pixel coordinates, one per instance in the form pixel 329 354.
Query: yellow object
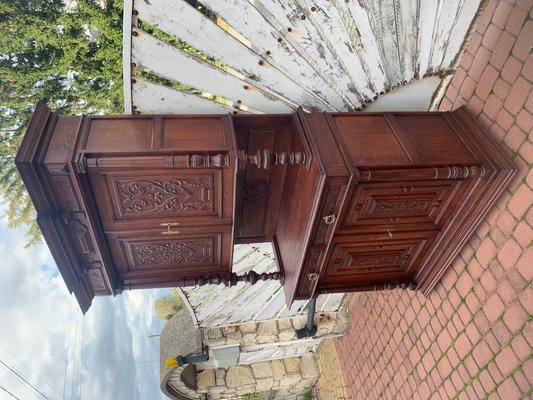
pixel 171 363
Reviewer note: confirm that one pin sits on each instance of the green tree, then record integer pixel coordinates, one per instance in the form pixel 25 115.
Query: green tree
pixel 63 53
pixel 167 306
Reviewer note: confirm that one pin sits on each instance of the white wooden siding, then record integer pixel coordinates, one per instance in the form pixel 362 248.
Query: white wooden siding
pixel 270 56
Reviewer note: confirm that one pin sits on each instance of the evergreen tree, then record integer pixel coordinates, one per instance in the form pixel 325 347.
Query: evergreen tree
pixel 66 54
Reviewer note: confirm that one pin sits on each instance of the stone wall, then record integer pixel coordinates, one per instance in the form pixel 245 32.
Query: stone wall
pixel 274 330
pixel 285 378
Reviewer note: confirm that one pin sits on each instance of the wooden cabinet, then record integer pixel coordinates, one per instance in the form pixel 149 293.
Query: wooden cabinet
pixel 166 220
pixel 387 200
pixel 133 201
pixel 350 201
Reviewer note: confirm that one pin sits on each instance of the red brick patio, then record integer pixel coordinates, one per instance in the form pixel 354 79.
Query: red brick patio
pixel 472 338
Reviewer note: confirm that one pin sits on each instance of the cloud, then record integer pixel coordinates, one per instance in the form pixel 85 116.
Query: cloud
pixel 42 323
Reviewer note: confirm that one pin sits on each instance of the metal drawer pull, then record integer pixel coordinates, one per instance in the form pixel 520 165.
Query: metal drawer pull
pixel 169 231
pixel 329 219
pixel 313 276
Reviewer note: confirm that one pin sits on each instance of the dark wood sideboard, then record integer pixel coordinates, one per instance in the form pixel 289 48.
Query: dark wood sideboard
pixel 350 201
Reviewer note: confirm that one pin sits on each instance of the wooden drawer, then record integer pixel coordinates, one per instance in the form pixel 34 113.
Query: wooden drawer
pixel 372 258
pixel 327 218
pixel 329 210
pixel 313 266
pixel 406 205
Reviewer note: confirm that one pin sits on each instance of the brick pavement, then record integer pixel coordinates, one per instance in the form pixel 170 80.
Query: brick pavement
pixel 472 338
pixel 330 383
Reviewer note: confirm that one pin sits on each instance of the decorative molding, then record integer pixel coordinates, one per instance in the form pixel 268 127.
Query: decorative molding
pixel 459 172
pixel 76 221
pixel 80 165
pixel 265 159
pixel 399 206
pixel 372 260
pixel 65 193
pixel 399 285
pixel 207 160
pixel 255 191
pixel 96 277
pixel 57 169
pixel 253 277
pixel 434 173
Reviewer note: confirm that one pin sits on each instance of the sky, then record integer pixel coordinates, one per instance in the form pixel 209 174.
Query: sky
pixel 46 340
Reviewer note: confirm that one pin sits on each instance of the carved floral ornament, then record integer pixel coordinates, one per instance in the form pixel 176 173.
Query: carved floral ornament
pixel 188 252
pixel 401 206
pixel 166 195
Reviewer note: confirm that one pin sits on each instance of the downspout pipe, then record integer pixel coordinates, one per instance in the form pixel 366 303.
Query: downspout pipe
pixel 310 328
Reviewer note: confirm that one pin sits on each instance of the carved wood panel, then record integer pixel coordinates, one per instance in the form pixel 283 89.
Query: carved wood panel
pixel 64 191
pixel 362 261
pixel 174 252
pixel 77 224
pixel 96 279
pixel 152 255
pixel 167 195
pixel 139 196
pixel 401 203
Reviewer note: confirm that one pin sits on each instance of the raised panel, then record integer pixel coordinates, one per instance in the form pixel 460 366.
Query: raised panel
pixel 256 185
pixel 369 140
pixel 146 255
pixel 257 208
pixel 112 134
pixel 436 142
pixel 64 134
pixel 400 203
pixel 378 260
pixel 97 280
pixel 152 254
pixel 194 133
pixel 160 195
pixel 369 259
pixel 64 191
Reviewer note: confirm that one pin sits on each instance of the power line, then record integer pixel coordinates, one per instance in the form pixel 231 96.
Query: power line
pixel 25 380
pixel 9 393
pixel 148 362
pixel 68 346
pixel 82 347
pixel 74 362
pixel 31 370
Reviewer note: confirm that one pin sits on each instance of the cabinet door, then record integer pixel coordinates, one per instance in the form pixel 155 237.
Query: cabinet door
pixel 357 260
pixel 156 254
pixel 163 223
pixel 402 205
pixel 147 196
